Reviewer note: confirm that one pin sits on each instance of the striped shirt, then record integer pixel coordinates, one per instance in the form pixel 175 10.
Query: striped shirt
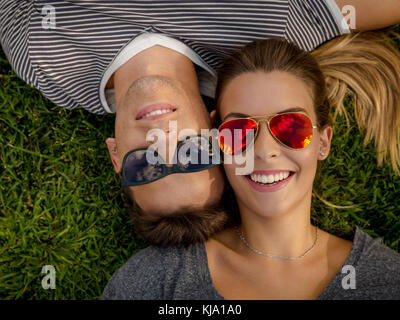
pixel 65 48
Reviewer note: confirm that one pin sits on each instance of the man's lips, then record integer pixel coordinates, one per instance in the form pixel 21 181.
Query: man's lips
pixel 155 111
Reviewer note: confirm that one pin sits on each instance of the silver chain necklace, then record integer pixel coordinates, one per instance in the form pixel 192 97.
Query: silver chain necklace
pixel 241 236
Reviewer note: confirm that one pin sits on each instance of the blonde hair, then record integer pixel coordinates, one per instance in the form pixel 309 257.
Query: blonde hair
pixel 365 66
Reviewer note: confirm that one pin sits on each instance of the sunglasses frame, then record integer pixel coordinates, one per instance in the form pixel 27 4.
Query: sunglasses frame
pixel 267 119
pixel 166 170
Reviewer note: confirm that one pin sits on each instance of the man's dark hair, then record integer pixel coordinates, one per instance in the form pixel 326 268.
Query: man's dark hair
pixel 186 226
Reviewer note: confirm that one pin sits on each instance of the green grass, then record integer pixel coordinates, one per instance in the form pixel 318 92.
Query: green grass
pixel 60 200
pixel 61 204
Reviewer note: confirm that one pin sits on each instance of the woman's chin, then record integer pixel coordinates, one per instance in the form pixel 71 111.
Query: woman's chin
pixel 266 210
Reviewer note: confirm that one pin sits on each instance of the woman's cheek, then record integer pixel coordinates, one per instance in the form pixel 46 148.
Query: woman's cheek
pixel 230 173
pixel 236 181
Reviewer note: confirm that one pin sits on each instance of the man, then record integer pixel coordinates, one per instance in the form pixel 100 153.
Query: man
pixel 143 86
pixel 133 57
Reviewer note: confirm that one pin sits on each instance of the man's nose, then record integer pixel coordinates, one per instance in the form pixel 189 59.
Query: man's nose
pixel 265 146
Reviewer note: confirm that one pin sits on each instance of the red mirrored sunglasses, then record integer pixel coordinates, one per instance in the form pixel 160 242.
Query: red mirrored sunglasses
pixel 293 130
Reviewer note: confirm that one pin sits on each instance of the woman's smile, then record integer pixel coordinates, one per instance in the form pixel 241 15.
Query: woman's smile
pixel 269 181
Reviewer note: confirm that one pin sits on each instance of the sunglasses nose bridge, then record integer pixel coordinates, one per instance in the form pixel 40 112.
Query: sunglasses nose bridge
pixel 266 144
pixel 263 127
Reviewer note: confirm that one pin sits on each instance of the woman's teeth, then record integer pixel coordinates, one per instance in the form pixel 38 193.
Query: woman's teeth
pixel 157 112
pixel 271 178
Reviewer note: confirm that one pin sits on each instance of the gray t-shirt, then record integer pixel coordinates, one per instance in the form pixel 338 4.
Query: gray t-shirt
pixel 183 274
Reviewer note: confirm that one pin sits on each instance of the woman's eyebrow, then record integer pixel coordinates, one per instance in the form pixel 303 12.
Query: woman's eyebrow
pixel 296 110
pixel 243 115
pixel 235 115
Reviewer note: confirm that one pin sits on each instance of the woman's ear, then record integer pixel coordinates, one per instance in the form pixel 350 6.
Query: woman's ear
pixel 112 150
pixel 325 142
pixel 213 114
pixel 214 118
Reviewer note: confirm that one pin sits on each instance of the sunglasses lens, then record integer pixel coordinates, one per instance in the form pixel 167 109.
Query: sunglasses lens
pixel 292 129
pixel 195 154
pixel 232 135
pixel 138 170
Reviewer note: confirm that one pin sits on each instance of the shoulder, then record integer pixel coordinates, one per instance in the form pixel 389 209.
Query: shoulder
pixel 148 273
pixel 370 271
pixel 142 276
pixel 375 255
pixel 377 266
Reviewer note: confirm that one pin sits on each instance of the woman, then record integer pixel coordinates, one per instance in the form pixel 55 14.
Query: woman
pixel 275 252
pixel 272 251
